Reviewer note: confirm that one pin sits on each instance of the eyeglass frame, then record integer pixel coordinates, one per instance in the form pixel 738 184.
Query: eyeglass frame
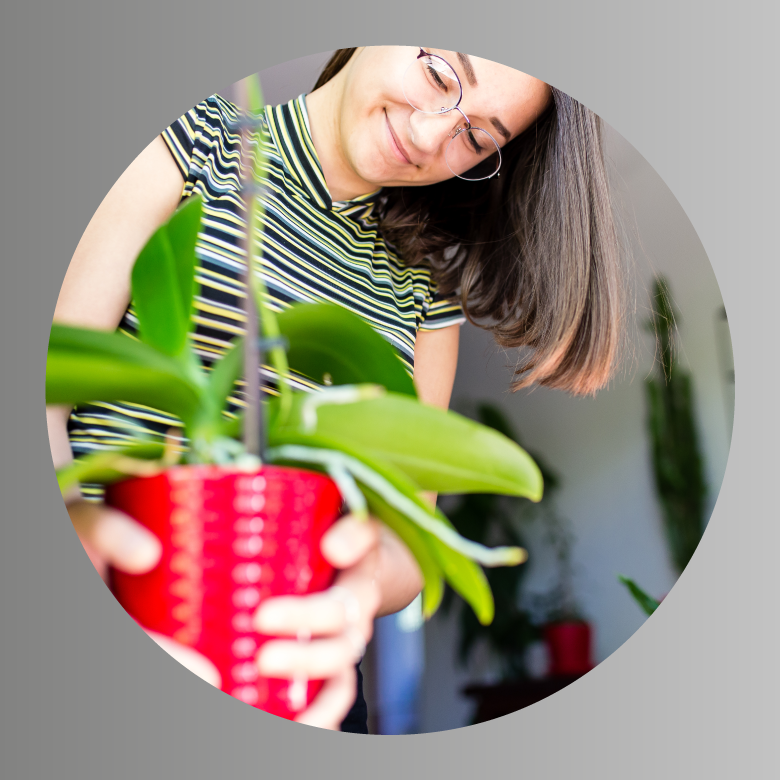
pixel 457 108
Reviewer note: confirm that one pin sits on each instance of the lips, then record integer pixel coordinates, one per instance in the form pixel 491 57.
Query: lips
pixel 395 145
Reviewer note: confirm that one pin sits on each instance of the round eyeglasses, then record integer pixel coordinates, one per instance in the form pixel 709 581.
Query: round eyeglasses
pixel 431 86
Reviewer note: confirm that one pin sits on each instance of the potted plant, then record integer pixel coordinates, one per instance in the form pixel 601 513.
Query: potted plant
pixel 567 635
pixel 490 518
pixel 239 525
pixel 522 619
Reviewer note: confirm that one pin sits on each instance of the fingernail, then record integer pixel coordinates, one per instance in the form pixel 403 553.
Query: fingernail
pixel 340 541
pixel 269 617
pixel 139 549
pixel 272 659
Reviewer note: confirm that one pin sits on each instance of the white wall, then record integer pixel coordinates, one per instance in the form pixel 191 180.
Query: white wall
pixel 599 445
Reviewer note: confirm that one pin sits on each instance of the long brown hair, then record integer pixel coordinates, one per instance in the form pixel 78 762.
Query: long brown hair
pixel 534 252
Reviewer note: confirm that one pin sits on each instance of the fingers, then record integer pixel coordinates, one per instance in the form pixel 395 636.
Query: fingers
pixel 318 659
pixel 198 664
pixel 352 602
pixel 348 540
pixel 111 537
pixel 320 614
pixel 332 704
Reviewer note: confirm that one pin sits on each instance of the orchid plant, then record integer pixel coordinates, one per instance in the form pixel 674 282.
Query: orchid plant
pixel 365 428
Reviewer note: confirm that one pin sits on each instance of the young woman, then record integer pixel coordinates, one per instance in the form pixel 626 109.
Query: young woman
pixel 414 186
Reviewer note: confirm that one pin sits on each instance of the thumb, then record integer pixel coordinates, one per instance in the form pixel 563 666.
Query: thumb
pixel 115 538
pixel 190 659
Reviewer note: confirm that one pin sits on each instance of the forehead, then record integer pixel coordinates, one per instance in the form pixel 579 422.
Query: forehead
pixel 490 88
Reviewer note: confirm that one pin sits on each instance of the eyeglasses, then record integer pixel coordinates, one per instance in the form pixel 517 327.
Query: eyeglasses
pixel 431 86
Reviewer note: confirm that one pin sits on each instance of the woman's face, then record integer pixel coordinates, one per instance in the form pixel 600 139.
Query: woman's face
pixel 388 143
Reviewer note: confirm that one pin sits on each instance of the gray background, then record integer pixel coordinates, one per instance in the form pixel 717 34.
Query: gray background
pixel 85 87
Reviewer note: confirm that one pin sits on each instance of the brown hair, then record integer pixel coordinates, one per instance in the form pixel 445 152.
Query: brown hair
pixel 534 252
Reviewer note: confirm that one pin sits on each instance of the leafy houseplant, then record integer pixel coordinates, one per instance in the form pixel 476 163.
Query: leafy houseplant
pixel 489 518
pixel 645 601
pixel 237 525
pixel 677 463
pixel 522 620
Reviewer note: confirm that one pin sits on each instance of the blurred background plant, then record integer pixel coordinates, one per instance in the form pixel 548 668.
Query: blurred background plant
pixel 677 462
pixel 492 519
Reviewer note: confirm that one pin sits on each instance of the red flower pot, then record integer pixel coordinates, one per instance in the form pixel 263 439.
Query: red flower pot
pixel 230 539
pixel 569 645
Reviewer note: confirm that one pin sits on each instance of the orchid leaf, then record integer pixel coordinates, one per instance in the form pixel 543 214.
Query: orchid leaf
pixel 163 280
pixel 419 545
pixel 330 344
pixel 224 374
pixel 113 465
pixel 439 450
pixel 90 365
pixel 453 553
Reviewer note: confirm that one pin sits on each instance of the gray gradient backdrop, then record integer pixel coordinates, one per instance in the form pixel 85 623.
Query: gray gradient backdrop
pixel 85 86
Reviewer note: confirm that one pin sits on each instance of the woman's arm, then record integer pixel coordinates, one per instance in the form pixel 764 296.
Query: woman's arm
pixel 96 289
pixel 435 361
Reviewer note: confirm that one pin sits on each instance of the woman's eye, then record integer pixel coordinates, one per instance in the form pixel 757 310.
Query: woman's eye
pixel 473 141
pixel 436 77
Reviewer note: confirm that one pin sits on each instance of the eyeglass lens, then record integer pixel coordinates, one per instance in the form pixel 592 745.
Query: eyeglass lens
pixel 473 154
pixel 431 86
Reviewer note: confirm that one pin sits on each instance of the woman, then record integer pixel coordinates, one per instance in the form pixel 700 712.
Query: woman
pixel 408 184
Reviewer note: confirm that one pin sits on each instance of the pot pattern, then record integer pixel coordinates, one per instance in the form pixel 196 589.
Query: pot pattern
pixel 230 540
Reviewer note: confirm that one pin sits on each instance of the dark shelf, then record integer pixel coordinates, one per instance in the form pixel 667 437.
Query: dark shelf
pixel 495 701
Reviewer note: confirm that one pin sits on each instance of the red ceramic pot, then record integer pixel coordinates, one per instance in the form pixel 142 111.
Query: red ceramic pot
pixel 230 539
pixel 569 644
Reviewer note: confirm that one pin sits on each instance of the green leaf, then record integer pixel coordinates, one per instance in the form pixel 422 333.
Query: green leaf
pixel 464 576
pixel 111 466
pixel 224 374
pixel 439 450
pixel 162 281
pixel 326 339
pixel 401 494
pixel 418 543
pixel 89 365
pixel 645 601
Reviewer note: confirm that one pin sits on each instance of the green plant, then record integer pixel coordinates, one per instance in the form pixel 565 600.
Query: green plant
pixel 487 518
pixel 368 431
pixel 645 601
pixel 677 463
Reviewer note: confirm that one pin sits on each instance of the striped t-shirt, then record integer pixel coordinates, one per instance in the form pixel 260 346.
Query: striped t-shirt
pixel 313 249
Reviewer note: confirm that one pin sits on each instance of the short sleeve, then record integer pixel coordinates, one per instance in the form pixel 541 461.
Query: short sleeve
pixel 442 311
pixel 182 137
pixel 202 143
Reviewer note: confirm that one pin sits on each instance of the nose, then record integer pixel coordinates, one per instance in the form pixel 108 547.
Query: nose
pixel 430 133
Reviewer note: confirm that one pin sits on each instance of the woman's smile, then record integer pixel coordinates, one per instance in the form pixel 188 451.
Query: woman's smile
pixel 396 147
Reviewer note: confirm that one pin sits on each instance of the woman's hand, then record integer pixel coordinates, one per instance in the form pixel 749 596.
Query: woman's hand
pixel 336 625
pixel 112 538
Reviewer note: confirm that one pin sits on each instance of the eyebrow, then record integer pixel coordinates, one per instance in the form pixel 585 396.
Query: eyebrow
pixel 499 125
pixel 471 77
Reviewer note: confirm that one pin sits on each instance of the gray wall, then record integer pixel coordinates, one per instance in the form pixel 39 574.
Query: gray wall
pixel 598 445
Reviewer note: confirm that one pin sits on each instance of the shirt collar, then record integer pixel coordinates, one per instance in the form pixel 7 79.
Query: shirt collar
pixel 290 130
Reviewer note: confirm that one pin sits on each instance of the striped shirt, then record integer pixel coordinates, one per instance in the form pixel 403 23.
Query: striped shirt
pixel 313 249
